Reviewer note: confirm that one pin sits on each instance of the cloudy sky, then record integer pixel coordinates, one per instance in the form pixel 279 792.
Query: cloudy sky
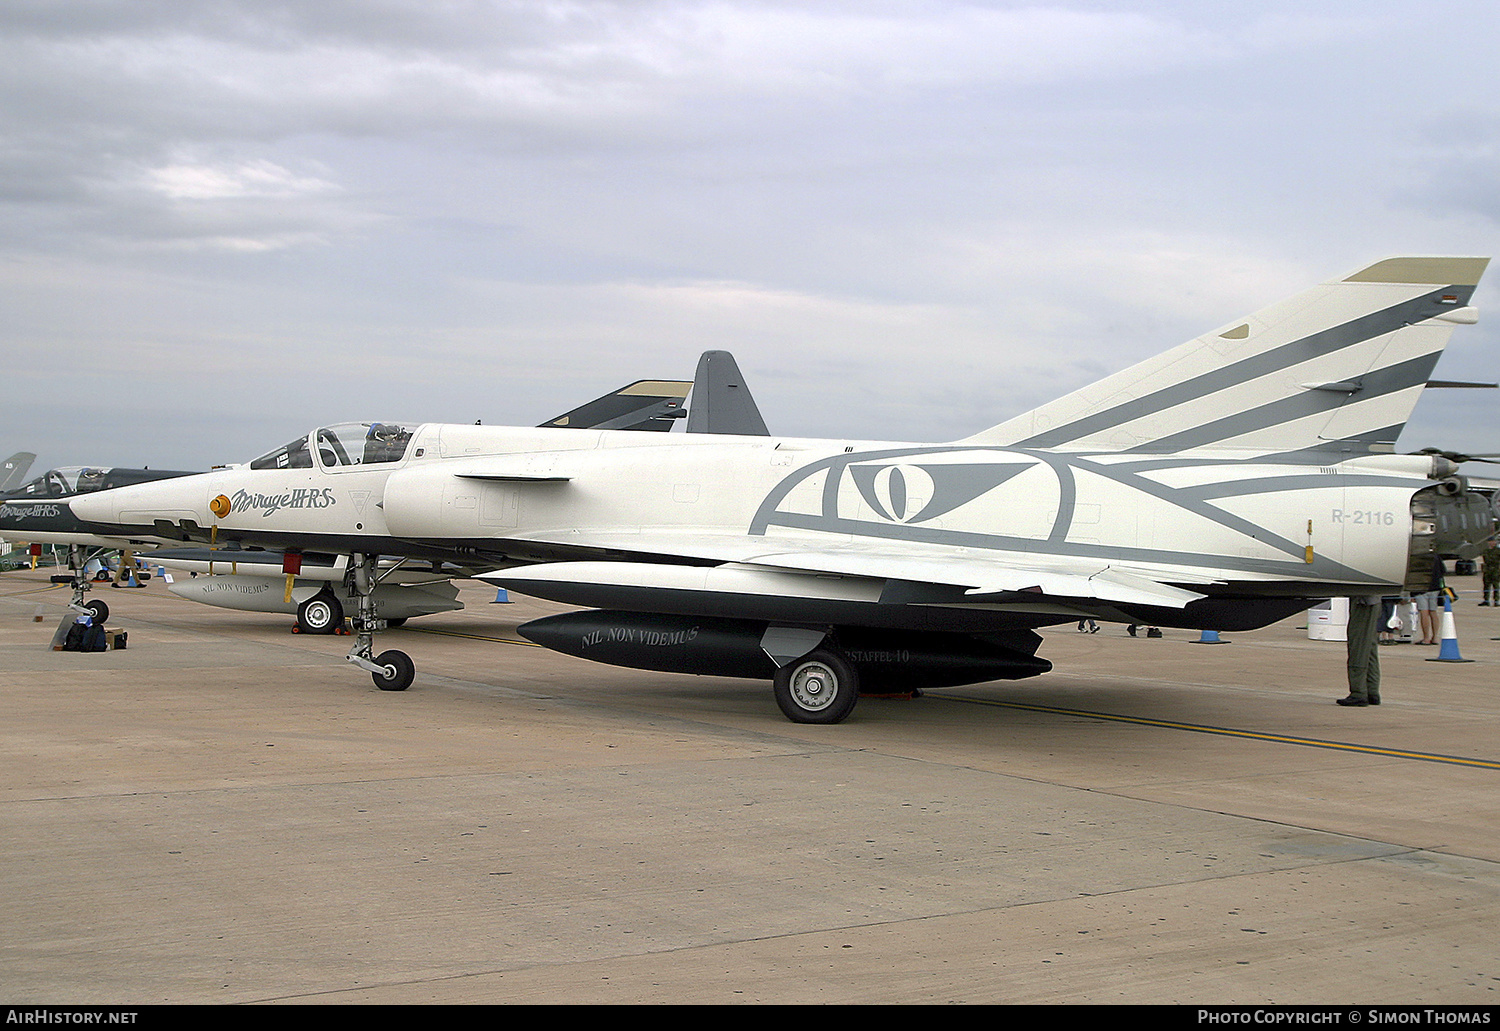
pixel 222 222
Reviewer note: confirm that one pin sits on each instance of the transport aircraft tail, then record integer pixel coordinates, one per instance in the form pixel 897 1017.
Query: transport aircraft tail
pixel 1337 368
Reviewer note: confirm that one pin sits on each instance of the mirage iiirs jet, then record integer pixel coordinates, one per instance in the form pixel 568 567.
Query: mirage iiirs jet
pixel 1224 485
pixel 37 512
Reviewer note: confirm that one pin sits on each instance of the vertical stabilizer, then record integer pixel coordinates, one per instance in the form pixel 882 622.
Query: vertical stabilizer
pixel 721 402
pixel 1337 368
pixel 14 469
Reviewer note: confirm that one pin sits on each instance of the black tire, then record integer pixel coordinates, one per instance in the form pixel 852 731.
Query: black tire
pixel 100 609
pixel 398 674
pixel 820 687
pixel 320 614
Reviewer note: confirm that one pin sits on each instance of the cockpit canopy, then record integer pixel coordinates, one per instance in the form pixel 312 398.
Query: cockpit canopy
pixel 65 482
pixel 345 445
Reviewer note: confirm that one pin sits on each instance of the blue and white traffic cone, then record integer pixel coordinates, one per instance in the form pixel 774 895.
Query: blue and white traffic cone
pixel 1209 637
pixel 1449 650
pixel 501 598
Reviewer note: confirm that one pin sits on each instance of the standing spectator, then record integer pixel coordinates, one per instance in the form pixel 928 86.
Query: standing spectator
pixel 1388 618
pixel 1429 603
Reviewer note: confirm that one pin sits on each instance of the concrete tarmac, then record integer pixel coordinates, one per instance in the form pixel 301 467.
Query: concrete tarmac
pixel 227 812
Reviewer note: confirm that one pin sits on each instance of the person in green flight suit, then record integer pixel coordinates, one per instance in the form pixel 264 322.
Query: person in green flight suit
pixel 1364 656
pixel 1490 560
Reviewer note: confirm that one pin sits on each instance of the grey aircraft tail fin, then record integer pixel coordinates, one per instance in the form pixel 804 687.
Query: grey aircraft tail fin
pixel 721 400
pixel 14 469
pixel 646 404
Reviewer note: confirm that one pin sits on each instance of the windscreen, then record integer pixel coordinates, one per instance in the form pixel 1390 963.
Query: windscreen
pixel 289 456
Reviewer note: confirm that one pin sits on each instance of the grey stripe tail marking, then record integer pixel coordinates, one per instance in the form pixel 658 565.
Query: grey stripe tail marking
pixel 1402 376
pixel 1277 359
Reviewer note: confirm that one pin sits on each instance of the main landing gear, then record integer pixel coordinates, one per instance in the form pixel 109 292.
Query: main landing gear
pixel 820 687
pixel 391 670
pixel 814 680
pixel 320 614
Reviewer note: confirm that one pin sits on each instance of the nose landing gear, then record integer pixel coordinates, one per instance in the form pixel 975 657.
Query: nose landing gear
pixel 390 670
pixel 96 609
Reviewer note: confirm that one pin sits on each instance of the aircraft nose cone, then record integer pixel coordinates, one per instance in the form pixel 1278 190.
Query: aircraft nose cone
pixel 140 504
pixel 102 507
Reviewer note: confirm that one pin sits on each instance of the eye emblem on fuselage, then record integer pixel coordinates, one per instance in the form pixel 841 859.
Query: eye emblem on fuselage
pixel 220 506
pixel 895 492
pixel 915 493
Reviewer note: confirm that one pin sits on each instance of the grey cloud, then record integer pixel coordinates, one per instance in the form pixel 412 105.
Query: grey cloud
pixel 908 220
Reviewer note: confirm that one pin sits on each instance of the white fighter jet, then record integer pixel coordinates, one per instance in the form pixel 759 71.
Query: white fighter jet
pixel 1223 485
